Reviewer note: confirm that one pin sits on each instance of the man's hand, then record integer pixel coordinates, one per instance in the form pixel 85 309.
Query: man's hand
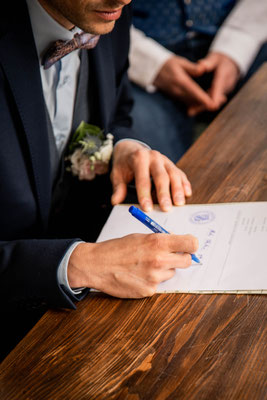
pixel 226 74
pixel 175 78
pixel 132 266
pixel 131 161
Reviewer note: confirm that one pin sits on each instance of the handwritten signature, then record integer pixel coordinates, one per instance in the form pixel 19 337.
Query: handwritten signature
pixel 207 244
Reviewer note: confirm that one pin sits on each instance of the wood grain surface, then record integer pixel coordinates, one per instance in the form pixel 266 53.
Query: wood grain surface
pixel 170 346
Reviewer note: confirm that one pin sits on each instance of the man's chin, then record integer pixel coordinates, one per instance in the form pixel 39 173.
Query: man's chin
pixel 100 29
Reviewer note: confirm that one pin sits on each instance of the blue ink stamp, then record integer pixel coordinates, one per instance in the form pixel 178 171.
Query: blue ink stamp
pixel 202 217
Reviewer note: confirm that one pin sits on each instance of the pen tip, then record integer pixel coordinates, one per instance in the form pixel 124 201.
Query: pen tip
pixel 194 258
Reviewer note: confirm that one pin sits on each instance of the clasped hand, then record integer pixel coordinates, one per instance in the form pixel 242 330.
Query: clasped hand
pixel 176 78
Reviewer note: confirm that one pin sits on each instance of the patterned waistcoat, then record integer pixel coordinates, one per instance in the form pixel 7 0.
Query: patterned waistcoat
pixel 172 21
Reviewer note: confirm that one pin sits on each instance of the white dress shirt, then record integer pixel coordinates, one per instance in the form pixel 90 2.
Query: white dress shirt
pixel 240 37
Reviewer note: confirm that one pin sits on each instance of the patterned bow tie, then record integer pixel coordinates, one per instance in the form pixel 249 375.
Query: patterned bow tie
pixel 61 48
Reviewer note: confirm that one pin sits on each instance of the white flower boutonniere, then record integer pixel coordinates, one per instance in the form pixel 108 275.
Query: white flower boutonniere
pixel 89 152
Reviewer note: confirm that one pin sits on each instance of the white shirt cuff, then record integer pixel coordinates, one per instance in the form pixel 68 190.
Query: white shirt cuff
pixel 240 46
pixel 62 272
pixel 146 57
pixel 243 33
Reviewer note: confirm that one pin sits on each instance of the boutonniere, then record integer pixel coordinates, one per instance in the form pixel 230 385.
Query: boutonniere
pixel 89 152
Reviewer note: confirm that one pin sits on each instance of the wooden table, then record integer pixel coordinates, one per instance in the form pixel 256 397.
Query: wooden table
pixel 170 346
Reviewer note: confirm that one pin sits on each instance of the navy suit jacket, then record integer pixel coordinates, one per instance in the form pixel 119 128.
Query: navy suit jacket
pixel 28 258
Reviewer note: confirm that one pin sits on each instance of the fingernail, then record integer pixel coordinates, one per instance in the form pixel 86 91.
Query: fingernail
pixel 179 201
pixel 188 190
pixel 147 206
pixel 166 205
pixel 113 199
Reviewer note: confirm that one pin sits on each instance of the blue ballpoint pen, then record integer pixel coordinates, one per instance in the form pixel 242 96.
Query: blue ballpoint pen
pixel 154 226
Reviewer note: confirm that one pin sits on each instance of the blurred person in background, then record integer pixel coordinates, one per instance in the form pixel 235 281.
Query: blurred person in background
pixel 188 57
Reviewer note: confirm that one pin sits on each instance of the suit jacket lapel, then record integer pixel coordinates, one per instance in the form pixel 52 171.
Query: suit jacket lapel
pixel 82 106
pixel 101 83
pixel 21 66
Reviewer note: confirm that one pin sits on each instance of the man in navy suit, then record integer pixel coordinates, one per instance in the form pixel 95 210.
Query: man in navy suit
pixel 44 260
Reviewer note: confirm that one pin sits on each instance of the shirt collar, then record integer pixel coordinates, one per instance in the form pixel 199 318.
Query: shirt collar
pixel 45 29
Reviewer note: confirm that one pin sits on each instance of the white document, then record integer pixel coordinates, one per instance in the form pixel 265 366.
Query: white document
pixel 232 245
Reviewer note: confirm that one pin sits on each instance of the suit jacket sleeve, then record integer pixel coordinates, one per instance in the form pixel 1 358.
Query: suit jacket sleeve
pixel 29 274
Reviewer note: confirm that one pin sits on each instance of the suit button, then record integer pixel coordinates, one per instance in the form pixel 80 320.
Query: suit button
pixel 189 23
